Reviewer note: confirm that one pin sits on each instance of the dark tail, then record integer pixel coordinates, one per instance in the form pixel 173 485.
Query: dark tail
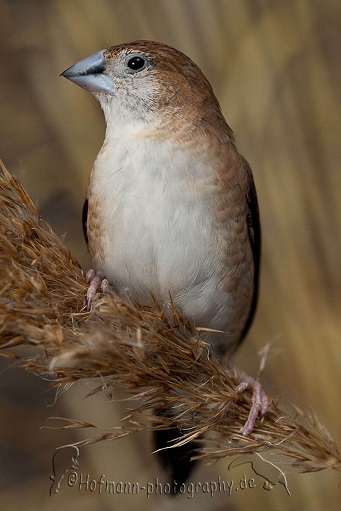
pixel 176 461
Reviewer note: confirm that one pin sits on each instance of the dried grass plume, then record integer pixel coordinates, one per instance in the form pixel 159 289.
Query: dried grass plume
pixel 124 345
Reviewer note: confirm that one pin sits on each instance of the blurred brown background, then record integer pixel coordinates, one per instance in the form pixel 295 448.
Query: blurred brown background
pixel 275 67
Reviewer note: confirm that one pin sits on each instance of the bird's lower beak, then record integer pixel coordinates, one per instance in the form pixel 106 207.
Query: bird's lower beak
pixel 89 73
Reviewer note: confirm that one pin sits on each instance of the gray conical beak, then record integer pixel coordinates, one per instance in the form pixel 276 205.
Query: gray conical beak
pixel 89 73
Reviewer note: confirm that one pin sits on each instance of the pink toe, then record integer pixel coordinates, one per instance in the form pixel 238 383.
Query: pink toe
pixel 96 281
pixel 259 404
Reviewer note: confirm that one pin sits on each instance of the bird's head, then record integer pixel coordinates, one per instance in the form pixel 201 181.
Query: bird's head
pixel 143 79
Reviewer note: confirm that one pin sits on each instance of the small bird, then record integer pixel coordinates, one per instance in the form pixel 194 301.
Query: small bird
pixel 171 207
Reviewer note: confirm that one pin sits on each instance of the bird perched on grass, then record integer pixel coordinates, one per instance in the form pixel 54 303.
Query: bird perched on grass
pixel 171 208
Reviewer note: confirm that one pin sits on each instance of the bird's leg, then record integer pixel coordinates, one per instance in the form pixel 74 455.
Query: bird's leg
pixel 260 401
pixel 96 281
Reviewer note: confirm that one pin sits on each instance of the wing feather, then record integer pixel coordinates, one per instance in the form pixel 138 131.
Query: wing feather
pixel 85 219
pixel 254 231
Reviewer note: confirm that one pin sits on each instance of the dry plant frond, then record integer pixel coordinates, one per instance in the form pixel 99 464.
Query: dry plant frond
pixel 160 364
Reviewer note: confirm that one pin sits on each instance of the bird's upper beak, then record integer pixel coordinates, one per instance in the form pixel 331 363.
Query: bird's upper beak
pixel 89 73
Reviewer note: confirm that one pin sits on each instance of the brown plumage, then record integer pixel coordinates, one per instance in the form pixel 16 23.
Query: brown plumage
pixel 171 204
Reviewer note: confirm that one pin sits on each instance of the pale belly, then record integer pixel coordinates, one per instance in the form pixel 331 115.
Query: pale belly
pixel 157 236
pixel 151 253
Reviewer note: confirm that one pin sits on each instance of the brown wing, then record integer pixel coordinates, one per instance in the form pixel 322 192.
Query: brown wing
pixel 254 229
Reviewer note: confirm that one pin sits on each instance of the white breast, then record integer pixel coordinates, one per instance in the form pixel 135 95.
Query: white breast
pixel 157 228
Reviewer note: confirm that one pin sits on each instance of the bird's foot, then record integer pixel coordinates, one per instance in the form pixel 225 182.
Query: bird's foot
pixel 260 402
pixel 96 281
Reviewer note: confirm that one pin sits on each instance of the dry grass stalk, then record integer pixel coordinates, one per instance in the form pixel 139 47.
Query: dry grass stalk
pixel 124 345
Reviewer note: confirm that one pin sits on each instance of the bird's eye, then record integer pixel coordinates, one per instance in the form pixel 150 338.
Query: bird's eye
pixel 136 63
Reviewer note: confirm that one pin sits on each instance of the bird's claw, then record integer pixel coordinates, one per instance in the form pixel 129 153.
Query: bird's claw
pixel 260 402
pixel 96 281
